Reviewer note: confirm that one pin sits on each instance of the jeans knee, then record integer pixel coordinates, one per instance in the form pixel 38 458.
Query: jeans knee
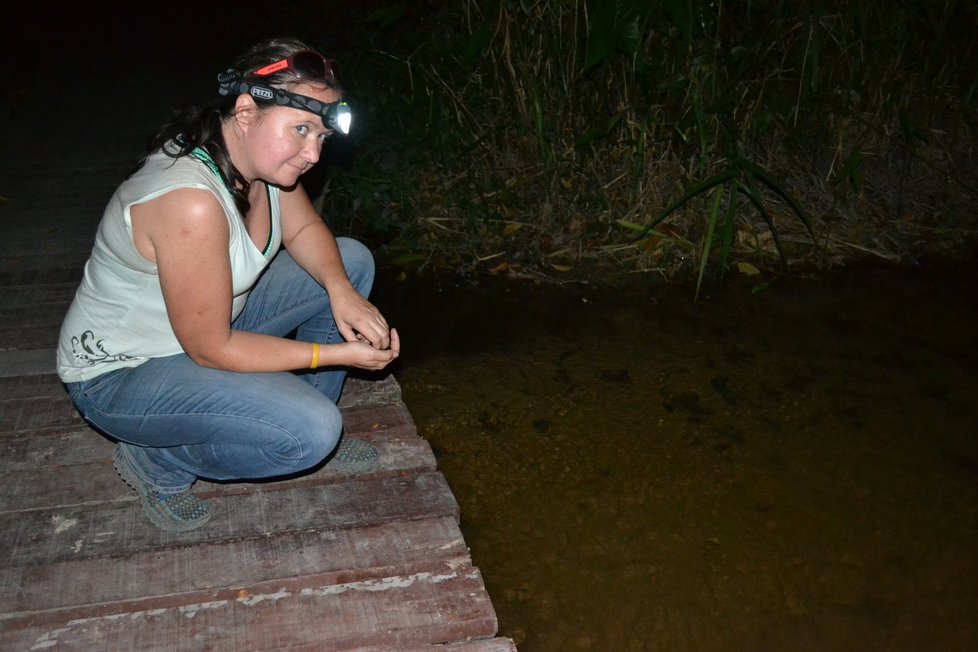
pixel 317 438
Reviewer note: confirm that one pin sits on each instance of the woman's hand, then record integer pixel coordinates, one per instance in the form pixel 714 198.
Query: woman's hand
pixel 364 355
pixel 359 321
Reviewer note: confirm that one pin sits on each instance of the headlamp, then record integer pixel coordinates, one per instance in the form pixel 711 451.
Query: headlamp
pixel 335 115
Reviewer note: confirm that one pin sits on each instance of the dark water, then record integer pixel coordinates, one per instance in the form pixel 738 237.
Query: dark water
pixel 795 469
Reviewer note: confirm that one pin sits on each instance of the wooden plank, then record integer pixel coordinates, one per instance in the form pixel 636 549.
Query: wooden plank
pixel 71 260
pixel 490 645
pixel 475 645
pixel 31 386
pixel 60 486
pixel 42 242
pixel 34 315
pixel 37 413
pixel 35 452
pixel 102 584
pixel 49 472
pixel 33 337
pixel 26 362
pixel 45 470
pixel 390 613
pixel 37 297
pixel 387 420
pixel 57 534
pixel 14 275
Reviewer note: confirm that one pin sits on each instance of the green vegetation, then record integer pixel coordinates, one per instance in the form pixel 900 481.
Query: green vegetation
pixel 554 139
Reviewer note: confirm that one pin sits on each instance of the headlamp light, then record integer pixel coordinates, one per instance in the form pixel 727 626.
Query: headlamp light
pixel 340 117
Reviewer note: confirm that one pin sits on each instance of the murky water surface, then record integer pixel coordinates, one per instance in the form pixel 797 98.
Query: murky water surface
pixel 795 469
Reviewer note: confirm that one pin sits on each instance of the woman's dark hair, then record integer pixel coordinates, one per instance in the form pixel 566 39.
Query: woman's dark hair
pixel 201 126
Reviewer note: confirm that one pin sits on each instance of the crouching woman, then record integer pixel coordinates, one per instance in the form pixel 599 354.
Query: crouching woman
pixel 217 315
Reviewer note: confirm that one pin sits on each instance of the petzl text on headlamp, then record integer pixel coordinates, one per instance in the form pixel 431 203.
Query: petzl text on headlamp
pixel 335 115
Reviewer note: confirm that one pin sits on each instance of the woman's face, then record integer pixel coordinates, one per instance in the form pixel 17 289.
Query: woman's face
pixel 284 142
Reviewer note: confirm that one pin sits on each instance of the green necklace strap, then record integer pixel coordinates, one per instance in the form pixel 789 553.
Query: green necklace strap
pixel 201 155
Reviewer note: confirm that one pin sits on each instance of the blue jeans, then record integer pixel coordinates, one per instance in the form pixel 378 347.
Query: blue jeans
pixel 178 421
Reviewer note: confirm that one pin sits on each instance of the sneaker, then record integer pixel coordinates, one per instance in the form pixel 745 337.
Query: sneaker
pixel 354 456
pixel 171 512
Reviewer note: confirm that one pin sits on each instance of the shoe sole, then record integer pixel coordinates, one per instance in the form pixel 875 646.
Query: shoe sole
pixel 354 456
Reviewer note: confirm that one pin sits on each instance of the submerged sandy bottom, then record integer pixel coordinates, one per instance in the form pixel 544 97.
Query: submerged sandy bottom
pixel 794 469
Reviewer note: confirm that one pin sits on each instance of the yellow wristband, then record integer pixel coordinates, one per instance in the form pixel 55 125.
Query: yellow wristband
pixel 315 356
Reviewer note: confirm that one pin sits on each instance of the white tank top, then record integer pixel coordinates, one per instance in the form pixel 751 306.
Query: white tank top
pixel 118 318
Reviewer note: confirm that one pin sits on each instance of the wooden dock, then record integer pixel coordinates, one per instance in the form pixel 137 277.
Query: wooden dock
pixel 322 562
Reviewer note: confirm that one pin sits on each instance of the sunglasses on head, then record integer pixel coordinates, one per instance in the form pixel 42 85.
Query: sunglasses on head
pixel 336 116
pixel 304 65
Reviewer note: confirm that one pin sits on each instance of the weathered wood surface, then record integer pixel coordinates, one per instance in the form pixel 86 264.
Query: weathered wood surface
pixel 320 562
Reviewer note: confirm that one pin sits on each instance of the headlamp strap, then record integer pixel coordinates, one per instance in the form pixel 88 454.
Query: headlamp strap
pixel 334 116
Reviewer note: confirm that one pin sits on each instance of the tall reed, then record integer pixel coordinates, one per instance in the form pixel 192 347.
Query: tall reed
pixel 540 136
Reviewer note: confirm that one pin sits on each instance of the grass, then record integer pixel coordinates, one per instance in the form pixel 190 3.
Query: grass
pixel 683 137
